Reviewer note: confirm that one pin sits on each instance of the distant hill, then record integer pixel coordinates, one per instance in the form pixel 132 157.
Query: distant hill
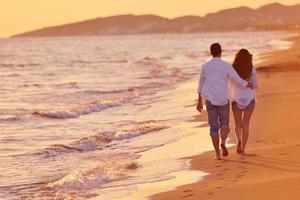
pixel 269 17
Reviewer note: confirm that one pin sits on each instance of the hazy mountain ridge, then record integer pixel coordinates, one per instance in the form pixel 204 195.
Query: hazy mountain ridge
pixel 269 17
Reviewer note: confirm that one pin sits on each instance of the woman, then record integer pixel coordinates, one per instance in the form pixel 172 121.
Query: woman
pixel 243 99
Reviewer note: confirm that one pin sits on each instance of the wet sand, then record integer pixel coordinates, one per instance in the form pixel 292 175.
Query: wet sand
pixel 271 171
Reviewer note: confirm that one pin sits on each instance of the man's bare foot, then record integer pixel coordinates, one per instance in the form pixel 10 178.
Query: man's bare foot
pixel 224 150
pixel 218 158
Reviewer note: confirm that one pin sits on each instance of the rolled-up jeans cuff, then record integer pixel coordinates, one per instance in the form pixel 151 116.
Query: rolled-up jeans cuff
pixel 214 134
pixel 225 127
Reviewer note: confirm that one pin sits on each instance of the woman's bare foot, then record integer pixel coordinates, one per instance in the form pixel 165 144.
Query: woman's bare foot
pixel 239 148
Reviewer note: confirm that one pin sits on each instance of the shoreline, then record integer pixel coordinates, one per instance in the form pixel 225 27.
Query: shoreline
pixel 272 164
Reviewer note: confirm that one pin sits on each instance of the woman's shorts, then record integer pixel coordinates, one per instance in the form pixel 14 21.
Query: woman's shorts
pixel 235 106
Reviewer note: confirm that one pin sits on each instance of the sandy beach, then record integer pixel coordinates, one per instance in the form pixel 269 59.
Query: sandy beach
pixel 272 168
pixel 102 103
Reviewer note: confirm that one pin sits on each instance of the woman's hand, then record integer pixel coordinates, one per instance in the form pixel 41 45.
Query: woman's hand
pixel 250 85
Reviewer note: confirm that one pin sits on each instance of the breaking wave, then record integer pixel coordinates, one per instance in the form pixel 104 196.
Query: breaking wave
pixel 77 183
pixel 82 109
pixel 102 140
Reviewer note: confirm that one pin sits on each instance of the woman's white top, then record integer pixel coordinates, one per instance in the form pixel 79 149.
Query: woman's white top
pixel 243 96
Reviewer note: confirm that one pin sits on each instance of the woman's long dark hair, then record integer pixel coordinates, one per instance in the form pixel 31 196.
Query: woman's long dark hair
pixel 243 64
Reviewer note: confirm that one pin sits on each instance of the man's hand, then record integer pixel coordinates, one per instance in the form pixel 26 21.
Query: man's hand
pixel 200 107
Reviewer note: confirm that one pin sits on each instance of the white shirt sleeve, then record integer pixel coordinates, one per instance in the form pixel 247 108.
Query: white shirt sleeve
pixel 233 75
pixel 201 80
pixel 254 78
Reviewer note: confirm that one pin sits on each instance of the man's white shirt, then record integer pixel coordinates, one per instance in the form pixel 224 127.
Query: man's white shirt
pixel 213 82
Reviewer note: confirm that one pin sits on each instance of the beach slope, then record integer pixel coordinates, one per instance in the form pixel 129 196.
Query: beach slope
pixel 271 171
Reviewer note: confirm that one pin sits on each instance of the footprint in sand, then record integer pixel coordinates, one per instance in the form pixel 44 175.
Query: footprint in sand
pixel 282 154
pixel 226 169
pixel 275 141
pixel 186 196
pixel 239 176
pixel 235 180
pixel 210 193
pixel 219 174
pixel 226 183
pixel 187 190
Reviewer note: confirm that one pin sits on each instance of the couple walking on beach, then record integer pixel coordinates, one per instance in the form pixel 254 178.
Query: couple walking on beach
pixel 220 83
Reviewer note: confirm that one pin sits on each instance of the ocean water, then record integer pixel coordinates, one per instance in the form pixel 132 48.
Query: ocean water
pixel 82 117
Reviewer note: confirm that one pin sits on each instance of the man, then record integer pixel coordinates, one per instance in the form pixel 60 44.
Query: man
pixel 213 86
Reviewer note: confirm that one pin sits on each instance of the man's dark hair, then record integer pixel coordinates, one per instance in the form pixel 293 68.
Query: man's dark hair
pixel 215 49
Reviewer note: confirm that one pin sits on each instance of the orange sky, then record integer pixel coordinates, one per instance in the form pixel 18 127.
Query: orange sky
pixel 23 15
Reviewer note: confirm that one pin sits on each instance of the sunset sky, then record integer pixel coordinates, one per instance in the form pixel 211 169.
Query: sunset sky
pixel 23 15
